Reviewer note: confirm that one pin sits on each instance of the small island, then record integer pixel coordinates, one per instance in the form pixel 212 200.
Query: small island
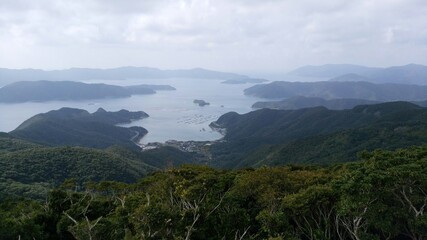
pixel 201 103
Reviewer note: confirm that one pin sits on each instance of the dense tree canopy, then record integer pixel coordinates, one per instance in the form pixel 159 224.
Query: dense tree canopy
pixel 383 196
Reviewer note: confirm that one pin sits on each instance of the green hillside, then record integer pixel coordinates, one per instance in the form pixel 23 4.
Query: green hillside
pixel 31 170
pixel 316 135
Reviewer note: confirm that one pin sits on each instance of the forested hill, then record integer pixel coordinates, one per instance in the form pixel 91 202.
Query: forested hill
pixel 31 170
pixel 317 135
pixel 77 127
pixel 282 125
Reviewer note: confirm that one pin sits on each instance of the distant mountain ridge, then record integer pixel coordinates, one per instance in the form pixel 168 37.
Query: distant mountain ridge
pixel 41 91
pixel 244 80
pixel 299 102
pixel 408 74
pixel 331 70
pixel 121 73
pixel 332 90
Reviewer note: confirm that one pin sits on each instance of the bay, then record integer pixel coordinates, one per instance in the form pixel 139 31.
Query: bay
pixel 173 115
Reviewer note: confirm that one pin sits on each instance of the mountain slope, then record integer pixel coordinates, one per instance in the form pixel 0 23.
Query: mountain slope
pixel 342 146
pixel 246 133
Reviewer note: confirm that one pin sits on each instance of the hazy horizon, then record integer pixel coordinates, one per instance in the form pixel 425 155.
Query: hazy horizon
pixel 234 36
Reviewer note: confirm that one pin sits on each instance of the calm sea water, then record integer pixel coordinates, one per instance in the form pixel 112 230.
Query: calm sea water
pixel 173 115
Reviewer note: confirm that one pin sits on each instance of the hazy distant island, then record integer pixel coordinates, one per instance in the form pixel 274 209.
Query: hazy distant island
pixel 152 87
pixel 408 74
pixel 244 80
pixel 42 91
pixel 120 73
pixel 299 102
pixel 333 90
pixel 201 103
pixel 77 127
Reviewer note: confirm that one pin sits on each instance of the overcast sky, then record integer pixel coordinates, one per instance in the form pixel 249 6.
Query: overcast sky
pixel 232 35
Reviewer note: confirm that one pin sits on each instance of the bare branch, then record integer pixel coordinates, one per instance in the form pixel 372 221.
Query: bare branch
pixel 71 218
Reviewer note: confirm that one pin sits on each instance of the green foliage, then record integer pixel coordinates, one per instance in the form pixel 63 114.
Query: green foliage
pixel 33 171
pixel 381 197
pixel 21 218
pixel 11 144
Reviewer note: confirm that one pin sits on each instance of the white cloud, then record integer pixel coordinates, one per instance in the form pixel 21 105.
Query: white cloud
pixel 241 35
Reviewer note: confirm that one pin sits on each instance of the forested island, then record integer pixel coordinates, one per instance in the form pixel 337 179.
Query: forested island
pixel 43 91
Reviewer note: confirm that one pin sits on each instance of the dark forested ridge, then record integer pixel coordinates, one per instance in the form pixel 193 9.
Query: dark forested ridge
pixel 280 125
pixel 317 135
pixel 78 127
pixel 382 196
